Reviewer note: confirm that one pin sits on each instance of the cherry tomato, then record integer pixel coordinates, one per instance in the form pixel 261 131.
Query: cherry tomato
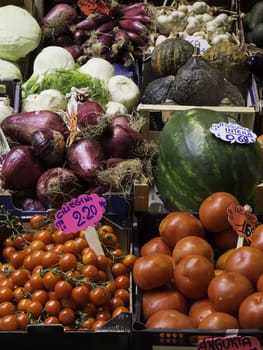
pixel 20 276
pixel 98 324
pixel 50 279
pixel 119 310
pixel 6 294
pixel 35 308
pixel 89 257
pixel 8 323
pixel 51 320
pixel 87 323
pixel 49 259
pixel 119 269
pixel 122 281
pixel 7 308
pixel 80 294
pixel 129 260
pixel 66 316
pixel 37 221
pixel 177 225
pixel 23 320
pixel 90 271
pixel 52 307
pixel 99 296
pixel 123 294
pixel 213 211
pixel 40 295
pixel 44 236
pixel 67 261
pixel 63 289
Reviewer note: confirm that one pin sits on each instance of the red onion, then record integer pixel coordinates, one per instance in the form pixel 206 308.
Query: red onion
pixel 141 18
pixel 120 119
pixel 87 24
pixel 121 142
pixel 89 113
pixel 28 204
pixel 57 186
pixel 84 157
pixel 20 126
pixel 106 27
pixel 21 168
pixel 49 145
pixel 58 19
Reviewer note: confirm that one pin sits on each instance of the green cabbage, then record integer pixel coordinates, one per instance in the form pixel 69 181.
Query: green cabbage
pixel 9 70
pixel 20 33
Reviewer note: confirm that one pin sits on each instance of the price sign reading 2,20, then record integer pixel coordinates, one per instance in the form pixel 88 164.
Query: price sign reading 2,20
pixel 79 213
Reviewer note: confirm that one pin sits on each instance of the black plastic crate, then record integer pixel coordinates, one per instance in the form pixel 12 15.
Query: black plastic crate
pixel 12 89
pixel 115 334
pixel 145 227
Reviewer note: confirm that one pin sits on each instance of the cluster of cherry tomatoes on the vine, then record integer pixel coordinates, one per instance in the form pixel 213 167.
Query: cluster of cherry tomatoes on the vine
pixel 49 277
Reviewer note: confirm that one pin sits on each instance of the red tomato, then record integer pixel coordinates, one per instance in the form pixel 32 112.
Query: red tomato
pixel 213 211
pixel 192 275
pixel 193 245
pixel 169 318
pixel 260 283
pixel 160 299
pixel 251 311
pixel 155 245
pixel 225 239
pixel 219 320
pixel 247 261
pixel 227 290
pixel 152 271
pixel 200 309
pixel 177 225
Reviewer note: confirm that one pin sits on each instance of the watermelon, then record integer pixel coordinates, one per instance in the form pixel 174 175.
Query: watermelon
pixel 193 163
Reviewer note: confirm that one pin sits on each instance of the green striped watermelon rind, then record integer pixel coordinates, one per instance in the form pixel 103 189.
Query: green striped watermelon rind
pixel 193 163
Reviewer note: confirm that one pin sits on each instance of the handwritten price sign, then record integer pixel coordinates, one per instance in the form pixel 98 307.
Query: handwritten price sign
pixel 79 213
pixel 230 343
pixel 242 221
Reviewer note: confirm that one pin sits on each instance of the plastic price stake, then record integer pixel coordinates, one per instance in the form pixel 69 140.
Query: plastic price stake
pixel 233 342
pixel 79 213
pixel 242 221
pixel 92 6
pixel 73 118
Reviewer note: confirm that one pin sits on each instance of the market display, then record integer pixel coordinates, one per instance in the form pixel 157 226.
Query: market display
pixel 193 261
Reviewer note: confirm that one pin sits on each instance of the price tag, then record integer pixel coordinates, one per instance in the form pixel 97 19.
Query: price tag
pixel 230 343
pixel 79 213
pixel 232 133
pixel 92 6
pixel 202 44
pixel 242 221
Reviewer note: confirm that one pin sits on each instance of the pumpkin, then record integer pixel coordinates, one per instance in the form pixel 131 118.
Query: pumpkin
pixel 233 63
pixel 158 90
pixel 198 83
pixel 193 163
pixel 169 55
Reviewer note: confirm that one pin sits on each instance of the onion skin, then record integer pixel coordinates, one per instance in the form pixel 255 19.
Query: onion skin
pixel 29 204
pixel 89 113
pixel 84 157
pixel 56 186
pixel 21 126
pixel 49 145
pixel 21 168
pixel 121 142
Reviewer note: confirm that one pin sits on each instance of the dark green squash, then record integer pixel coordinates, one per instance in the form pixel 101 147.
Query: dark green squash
pixel 158 90
pixel 198 83
pixel 169 55
pixel 232 61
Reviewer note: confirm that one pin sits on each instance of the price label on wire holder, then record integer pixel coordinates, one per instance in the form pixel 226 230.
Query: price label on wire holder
pixel 229 343
pixel 242 221
pixel 80 213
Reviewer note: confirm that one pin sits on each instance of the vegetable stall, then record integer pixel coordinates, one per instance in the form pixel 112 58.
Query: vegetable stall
pixel 152 107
